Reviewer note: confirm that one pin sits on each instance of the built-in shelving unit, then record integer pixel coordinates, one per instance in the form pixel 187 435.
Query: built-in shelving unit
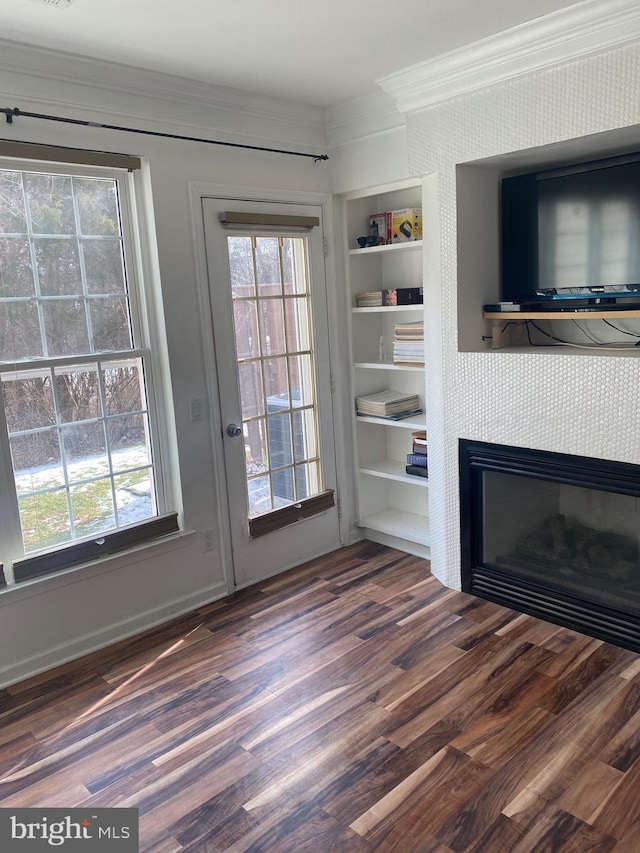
pixel 391 505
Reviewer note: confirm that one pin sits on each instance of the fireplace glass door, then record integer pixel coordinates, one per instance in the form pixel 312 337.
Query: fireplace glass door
pixel 584 540
pixel 554 535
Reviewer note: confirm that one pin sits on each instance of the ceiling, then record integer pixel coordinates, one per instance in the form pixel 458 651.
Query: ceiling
pixel 320 54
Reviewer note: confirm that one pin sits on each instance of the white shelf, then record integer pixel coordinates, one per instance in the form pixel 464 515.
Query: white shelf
pixel 393 309
pixel 387 365
pixel 391 469
pixel 415 422
pixel 409 246
pixel 404 525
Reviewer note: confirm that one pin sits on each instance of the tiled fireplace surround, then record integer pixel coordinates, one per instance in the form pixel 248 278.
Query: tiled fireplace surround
pixel 574 402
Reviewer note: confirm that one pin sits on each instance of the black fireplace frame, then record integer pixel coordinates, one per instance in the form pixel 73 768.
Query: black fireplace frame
pixel 618 624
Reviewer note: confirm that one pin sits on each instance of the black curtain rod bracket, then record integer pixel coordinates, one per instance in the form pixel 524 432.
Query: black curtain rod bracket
pixel 13 112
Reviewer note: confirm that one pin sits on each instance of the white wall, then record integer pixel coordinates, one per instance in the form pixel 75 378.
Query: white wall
pixel 370 161
pixel 48 621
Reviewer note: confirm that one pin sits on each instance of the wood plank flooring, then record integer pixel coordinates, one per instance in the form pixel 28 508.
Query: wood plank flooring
pixel 352 704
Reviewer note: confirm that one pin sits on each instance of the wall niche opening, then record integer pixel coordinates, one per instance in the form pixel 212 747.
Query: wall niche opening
pixel 478 184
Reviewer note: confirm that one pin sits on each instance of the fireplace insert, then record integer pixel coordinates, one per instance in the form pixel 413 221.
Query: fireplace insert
pixel 553 535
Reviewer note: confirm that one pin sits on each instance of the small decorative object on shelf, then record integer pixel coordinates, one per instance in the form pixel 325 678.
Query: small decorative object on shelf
pixel 380 228
pixel 365 242
pixel 406 296
pixel 406 224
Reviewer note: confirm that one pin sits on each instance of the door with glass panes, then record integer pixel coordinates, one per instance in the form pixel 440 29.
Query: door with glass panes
pixel 268 298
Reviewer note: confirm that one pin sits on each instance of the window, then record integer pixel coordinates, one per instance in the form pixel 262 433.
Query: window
pixel 76 428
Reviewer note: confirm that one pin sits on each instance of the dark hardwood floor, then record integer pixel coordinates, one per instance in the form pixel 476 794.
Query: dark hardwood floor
pixel 352 704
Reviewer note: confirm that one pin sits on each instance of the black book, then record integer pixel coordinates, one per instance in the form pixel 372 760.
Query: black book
pixel 418 470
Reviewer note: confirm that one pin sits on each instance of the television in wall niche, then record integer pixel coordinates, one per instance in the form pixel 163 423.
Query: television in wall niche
pixel 571 236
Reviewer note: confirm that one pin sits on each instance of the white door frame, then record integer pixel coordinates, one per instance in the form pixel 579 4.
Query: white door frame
pixel 197 191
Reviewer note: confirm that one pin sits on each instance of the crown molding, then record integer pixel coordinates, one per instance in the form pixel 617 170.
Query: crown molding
pixel 587 28
pixel 121 89
pixel 361 118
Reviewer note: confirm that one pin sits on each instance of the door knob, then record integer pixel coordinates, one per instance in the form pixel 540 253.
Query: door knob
pixel 233 430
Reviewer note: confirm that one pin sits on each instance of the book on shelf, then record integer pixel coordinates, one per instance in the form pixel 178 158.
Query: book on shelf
pixel 389 403
pixel 419 442
pixel 410 331
pixel 417 470
pixel 369 299
pixel 417 459
pixel 399 416
pixel 408 343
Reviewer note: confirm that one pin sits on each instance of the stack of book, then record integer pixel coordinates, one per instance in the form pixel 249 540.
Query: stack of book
pixel 408 343
pixel 369 299
pixel 417 460
pixel 390 404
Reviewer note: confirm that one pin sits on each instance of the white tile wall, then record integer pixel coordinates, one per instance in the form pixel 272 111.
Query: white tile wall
pixel 584 404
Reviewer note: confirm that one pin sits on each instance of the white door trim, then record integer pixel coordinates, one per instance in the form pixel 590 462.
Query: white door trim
pixel 199 190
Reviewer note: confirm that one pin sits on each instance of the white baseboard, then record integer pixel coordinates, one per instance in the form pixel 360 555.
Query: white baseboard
pixel 80 646
pixel 405 545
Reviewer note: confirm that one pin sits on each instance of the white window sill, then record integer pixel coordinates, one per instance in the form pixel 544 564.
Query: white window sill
pixel 83 571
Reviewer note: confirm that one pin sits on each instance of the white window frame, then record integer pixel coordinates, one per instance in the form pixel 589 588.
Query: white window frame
pixel 147 342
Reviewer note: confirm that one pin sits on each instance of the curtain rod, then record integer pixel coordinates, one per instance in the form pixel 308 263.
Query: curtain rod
pixel 13 112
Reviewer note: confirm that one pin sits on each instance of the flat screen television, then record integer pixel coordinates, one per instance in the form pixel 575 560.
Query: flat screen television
pixel 571 235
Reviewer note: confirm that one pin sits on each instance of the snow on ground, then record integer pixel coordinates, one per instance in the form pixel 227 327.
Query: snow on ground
pixel 134 501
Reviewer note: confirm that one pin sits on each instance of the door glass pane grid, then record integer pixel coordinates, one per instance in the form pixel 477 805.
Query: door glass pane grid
pixel 290 471
pixel 295 276
pixel 241 266
pixel 247 335
pixel 81 449
pixel 272 328
pixel 268 266
pixel 275 369
pixel 63 285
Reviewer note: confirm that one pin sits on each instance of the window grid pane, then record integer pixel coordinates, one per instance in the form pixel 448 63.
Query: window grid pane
pixel 73 282
pixel 102 461
pixel 276 370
